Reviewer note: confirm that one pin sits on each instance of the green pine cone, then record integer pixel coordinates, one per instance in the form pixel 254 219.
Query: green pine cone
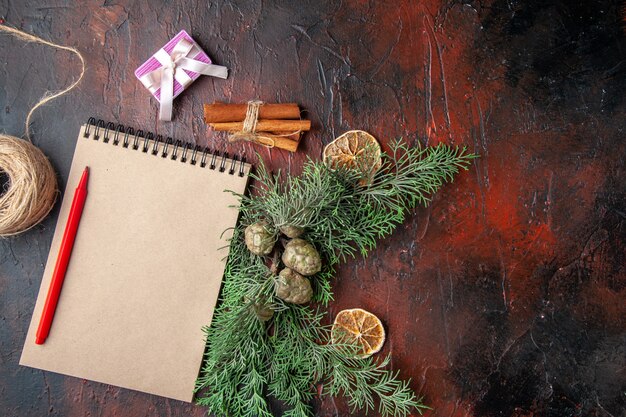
pixel 291 231
pixel 302 257
pixel 259 238
pixel 293 287
pixel 261 309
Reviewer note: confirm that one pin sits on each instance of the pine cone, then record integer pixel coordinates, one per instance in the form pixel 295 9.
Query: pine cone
pixel 293 287
pixel 291 231
pixel 261 309
pixel 259 238
pixel 302 257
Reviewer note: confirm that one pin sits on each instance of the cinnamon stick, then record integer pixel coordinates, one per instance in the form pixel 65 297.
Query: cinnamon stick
pixel 266 125
pixel 224 112
pixel 287 143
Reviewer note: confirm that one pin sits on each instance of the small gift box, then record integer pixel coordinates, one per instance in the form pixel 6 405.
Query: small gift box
pixel 173 68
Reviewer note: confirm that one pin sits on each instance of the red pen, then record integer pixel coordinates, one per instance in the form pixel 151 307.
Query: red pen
pixel 80 195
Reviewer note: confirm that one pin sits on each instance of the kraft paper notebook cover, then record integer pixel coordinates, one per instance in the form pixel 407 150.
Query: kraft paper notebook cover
pixel 147 263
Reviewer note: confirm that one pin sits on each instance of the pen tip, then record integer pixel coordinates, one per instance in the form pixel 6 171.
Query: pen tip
pixel 83 178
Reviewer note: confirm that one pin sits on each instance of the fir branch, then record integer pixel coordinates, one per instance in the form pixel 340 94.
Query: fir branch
pixel 364 215
pixel 322 290
pixel 364 381
pixel 290 354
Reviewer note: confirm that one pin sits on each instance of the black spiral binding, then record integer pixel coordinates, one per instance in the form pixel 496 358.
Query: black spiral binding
pixel 140 141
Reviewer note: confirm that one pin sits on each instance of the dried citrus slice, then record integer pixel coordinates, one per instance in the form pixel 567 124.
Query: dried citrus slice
pixel 356 150
pixel 360 328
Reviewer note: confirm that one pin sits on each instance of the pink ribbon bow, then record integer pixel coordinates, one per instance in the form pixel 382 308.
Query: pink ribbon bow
pixel 172 66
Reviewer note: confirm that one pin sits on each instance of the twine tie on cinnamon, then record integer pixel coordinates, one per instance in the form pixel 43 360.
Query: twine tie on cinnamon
pixel 248 131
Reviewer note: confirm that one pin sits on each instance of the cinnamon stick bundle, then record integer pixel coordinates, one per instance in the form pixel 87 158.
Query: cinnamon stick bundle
pixel 277 125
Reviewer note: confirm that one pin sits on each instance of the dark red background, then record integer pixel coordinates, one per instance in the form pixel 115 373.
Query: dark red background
pixel 503 298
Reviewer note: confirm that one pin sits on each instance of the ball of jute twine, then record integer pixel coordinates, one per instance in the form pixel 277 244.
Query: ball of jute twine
pixel 31 189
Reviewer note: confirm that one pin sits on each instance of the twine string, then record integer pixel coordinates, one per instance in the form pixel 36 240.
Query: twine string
pixel 252 116
pixel 31 190
pixel 49 95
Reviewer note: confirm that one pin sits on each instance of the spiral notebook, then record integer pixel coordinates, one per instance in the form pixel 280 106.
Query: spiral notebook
pixel 147 262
